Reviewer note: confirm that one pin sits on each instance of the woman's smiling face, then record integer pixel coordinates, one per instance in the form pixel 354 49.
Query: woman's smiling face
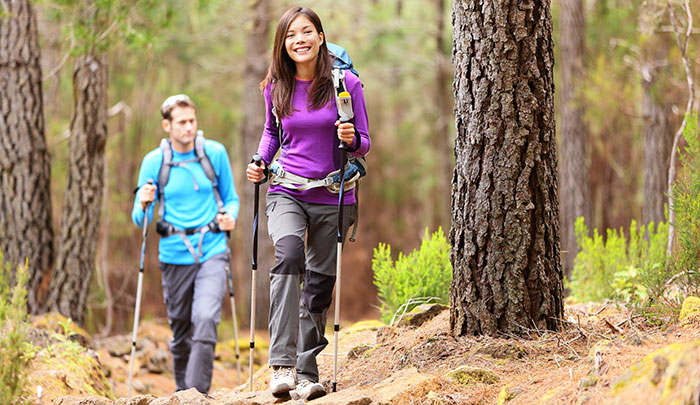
pixel 303 41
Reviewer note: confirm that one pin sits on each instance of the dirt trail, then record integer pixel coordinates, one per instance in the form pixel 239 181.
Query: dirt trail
pixel 584 363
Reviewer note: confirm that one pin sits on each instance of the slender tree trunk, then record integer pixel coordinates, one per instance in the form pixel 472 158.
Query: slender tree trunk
pixel 256 63
pixel 575 188
pixel 505 210
pixel 25 202
pixel 658 137
pixel 682 40
pixel 442 140
pixel 80 223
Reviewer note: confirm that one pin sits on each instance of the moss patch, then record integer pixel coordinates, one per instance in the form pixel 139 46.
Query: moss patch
pixel 466 375
pixel 421 314
pixel 59 324
pixel 664 376
pixel 358 351
pixel 507 350
pixel 66 368
pixel 372 325
pixel 588 381
pixel 507 394
pixel 690 311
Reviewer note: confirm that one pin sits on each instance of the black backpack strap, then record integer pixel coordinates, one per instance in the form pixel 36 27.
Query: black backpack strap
pixel 278 124
pixel 208 168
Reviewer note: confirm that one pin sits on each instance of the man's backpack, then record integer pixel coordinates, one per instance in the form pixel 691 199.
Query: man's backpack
pixel 164 228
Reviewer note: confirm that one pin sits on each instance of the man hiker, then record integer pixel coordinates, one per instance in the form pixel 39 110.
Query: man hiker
pixel 197 201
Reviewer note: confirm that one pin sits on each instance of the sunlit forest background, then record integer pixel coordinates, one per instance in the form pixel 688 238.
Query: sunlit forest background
pixel 402 50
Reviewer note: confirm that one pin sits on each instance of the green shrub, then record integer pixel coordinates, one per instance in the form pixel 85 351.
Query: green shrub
pixel 426 272
pixel 619 267
pixel 13 333
pixel 686 204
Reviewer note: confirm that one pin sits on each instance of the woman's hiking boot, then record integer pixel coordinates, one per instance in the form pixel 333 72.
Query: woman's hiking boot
pixel 309 390
pixel 283 380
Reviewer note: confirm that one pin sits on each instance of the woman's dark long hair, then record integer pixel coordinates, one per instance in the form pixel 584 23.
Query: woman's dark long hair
pixel 282 69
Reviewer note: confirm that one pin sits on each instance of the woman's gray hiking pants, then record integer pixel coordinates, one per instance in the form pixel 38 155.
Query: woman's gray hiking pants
pixel 193 295
pixel 298 314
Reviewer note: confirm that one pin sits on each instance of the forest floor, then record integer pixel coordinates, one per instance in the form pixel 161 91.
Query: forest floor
pixel 603 355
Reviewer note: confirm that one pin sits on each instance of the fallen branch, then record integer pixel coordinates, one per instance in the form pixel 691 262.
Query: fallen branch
pixel 613 327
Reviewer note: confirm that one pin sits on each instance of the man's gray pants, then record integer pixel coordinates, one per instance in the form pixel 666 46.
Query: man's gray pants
pixel 193 295
pixel 298 314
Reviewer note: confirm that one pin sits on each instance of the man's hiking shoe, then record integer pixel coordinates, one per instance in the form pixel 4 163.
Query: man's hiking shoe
pixel 309 390
pixel 283 380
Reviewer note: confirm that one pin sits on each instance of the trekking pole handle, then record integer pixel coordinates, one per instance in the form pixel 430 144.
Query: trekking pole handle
pixel 343 145
pixel 149 181
pixel 257 159
pixel 222 211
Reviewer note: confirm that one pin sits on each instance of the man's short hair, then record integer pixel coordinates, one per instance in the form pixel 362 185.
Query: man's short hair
pixel 178 100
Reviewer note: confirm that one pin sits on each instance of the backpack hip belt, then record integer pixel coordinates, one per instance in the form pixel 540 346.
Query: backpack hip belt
pixel 353 169
pixel 165 229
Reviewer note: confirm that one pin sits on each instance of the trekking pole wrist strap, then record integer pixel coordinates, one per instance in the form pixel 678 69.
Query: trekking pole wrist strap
pixel 357 142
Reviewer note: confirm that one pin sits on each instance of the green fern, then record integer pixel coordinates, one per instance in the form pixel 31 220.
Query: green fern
pixel 623 267
pixel 14 357
pixel 426 272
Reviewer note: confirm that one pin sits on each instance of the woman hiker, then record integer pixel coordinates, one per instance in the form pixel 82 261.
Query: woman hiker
pixel 303 223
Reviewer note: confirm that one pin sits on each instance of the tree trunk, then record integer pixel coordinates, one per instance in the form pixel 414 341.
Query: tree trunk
pixel 442 139
pixel 25 202
pixel 256 63
pixel 658 138
pixel 80 222
pixel 505 210
pixel 575 188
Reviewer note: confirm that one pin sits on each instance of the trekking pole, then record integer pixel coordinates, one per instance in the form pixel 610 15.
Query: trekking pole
pixel 138 294
pixel 258 161
pixel 345 113
pixel 232 298
pixel 338 263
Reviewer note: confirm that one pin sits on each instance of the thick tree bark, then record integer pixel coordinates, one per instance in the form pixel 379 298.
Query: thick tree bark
pixel 80 223
pixel 505 209
pixel 575 191
pixel 256 63
pixel 26 231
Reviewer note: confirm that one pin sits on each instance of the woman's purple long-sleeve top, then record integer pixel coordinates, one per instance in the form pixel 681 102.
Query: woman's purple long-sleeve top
pixel 310 141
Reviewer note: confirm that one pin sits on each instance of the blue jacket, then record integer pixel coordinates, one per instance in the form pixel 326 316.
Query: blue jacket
pixel 186 207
